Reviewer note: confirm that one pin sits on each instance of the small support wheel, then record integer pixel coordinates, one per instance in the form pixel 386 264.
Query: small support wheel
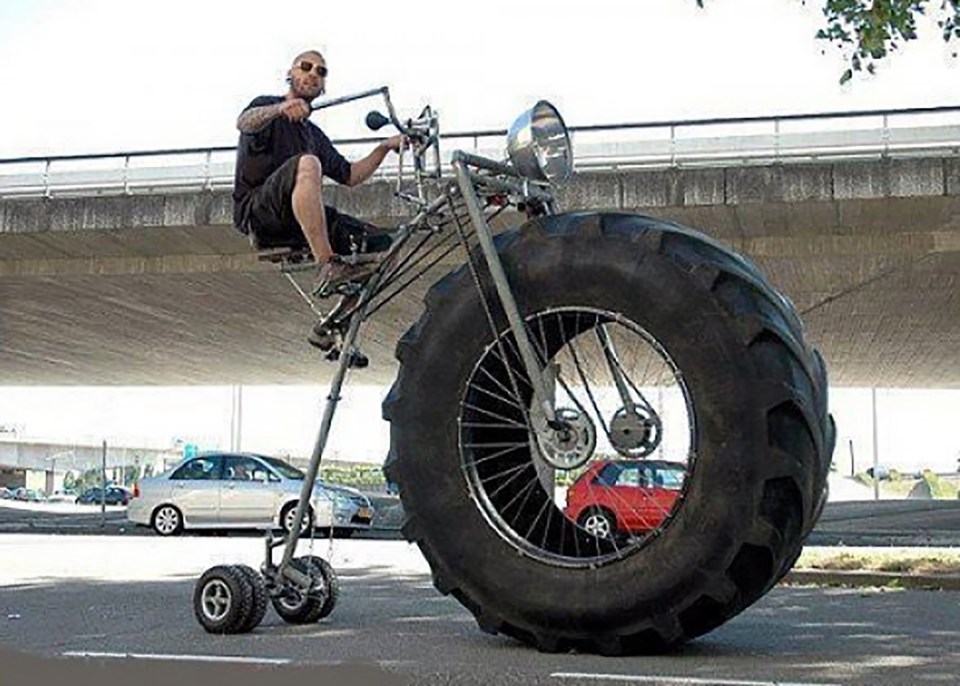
pixel 259 597
pixel 223 600
pixel 297 607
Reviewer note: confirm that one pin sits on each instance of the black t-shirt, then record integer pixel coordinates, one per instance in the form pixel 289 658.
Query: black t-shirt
pixel 260 154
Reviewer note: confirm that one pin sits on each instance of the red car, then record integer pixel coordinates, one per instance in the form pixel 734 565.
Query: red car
pixel 624 496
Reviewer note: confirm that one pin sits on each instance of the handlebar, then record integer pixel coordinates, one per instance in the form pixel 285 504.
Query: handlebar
pixel 383 90
pixel 423 130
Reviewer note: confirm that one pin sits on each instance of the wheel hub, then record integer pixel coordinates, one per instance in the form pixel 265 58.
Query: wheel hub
pixel 636 432
pixel 216 600
pixel 570 445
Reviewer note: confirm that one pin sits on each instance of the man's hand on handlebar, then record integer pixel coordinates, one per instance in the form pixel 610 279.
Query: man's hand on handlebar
pixel 396 143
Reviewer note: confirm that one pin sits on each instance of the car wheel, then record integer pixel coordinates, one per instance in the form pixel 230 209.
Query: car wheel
pixel 167 521
pixel 287 515
pixel 598 522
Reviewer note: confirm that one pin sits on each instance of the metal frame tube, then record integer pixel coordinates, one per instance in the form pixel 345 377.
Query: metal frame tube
pixel 502 285
pixel 330 407
pixel 349 98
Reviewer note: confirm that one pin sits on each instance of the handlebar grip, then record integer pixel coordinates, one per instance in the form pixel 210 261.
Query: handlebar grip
pixel 376 121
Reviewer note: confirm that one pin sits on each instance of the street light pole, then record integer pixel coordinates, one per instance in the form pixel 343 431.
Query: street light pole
pixel 876 452
pixel 103 487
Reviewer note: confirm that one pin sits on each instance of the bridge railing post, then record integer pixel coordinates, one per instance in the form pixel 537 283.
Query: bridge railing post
pixel 207 166
pixel 46 178
pixel 673 145
pixel 776 140
pixel 885 136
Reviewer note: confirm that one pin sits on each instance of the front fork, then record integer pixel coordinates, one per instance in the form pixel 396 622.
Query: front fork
pixel 543 411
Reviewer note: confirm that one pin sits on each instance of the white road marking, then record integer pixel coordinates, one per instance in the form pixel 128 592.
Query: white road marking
pixel 181 658
pixel 679 680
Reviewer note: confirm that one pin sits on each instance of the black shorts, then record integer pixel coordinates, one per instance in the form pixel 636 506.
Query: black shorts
pixel 269 216
pixel 271 222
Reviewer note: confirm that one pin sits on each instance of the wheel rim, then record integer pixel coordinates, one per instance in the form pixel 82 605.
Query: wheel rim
pixel 288 520
pixel 527 493
pixel 292 601
pixel 215 600
pixel 167 520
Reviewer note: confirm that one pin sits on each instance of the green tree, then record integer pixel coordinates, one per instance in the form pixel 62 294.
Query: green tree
pixel 869 30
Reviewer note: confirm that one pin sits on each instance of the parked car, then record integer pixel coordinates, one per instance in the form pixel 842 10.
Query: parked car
pixel 361 509
pixel 5 493
pixel 30 495
pixel 115 495
pixel 624 496
pixel 241 491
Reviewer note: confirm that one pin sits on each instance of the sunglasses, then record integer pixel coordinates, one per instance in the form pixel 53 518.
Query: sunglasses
pixel 308 67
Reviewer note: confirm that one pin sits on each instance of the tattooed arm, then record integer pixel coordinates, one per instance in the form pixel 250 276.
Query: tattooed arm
pixel 255 118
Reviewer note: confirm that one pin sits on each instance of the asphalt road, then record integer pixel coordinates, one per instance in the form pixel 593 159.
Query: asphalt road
pixel 94 595
pixel 889 522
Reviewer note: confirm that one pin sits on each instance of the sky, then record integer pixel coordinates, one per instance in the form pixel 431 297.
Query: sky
pixel 109 75
pixel 88 76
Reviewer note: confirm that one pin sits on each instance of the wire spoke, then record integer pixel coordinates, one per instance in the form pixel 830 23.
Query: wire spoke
pixel 492 456
pixel 584 355
pixel 498 383
pixel 495 396
pixel 495 415
pixel 517 471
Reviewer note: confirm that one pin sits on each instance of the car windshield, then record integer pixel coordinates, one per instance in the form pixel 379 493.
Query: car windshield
pixel 287 471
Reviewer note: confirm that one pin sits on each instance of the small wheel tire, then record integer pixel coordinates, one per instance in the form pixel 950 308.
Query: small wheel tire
pixel 286 518
pixel 167 520
pixel 598 522
pixel 259 597
pixel 312 607
pixel 222 600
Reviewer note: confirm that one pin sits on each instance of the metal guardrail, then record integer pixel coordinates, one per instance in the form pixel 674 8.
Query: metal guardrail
pixel 651 145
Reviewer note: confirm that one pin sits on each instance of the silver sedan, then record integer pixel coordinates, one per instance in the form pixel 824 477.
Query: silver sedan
pixel 240 491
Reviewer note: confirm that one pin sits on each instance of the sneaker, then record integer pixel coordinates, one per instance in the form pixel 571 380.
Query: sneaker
pixel 334 274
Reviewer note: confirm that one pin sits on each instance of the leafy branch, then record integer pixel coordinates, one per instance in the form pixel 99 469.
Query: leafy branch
pixel 869 30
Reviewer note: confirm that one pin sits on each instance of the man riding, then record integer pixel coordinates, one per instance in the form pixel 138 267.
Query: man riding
pixel 281 158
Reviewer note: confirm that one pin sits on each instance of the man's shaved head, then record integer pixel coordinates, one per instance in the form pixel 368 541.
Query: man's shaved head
pixel 313 55
pixel 307 75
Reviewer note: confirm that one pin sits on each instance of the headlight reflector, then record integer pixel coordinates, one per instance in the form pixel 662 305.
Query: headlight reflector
pixel 538 144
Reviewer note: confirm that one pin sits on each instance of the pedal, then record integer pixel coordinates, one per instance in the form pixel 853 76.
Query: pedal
pixel 323 338
pixel 347 289
pixel 357 359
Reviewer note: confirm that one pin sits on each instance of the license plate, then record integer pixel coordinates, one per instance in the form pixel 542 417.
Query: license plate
pixel 365 512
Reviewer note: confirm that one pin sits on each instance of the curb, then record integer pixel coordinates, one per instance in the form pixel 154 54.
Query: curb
pixel 927 582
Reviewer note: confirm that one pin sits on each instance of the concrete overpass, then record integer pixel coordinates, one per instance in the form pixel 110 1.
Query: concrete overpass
pixel 157 288
pixel 43 465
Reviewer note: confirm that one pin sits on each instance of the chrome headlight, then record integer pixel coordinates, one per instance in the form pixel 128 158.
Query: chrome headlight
pixel 538 144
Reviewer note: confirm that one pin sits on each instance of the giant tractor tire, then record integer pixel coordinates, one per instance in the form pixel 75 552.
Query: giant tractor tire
pixel 751 453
